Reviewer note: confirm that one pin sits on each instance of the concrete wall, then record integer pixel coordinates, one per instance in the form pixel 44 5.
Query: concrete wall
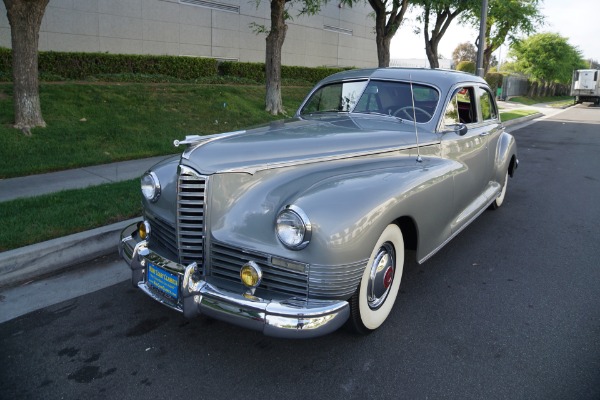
pixel 176 27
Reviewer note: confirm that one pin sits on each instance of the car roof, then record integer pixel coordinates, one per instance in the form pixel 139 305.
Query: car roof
pixel 438 77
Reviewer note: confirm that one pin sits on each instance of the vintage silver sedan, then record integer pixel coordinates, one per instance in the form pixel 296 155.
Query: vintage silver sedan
pixel 299 227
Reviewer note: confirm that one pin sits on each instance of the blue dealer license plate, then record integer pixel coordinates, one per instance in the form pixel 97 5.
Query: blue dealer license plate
pixel 164 281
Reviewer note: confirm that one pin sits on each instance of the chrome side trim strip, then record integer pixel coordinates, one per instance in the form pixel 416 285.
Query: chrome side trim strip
pixel 252 169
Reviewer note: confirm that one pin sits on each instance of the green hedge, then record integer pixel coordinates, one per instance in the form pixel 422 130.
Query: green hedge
pixel 494 79
pixel 466 66
pixel 5 64
pixel 125 67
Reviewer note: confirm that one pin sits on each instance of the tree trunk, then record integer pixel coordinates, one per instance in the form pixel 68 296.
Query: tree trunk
pixel 381 40
pixel 387 23
pixel 275 39
pixel 487 58
pixel 25 18
pixel 432 54
pixel 383 51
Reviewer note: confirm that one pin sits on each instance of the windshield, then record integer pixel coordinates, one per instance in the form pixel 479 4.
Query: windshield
pixel 374 97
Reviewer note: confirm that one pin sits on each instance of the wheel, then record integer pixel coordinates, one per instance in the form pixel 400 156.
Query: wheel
pixel 407 113
pixel 500 199
pixel 373 300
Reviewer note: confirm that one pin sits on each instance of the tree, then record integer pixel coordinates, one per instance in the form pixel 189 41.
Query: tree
pixel 506 19
pixel 547 57
pixel 389 15
pixel 464 52
pixel 25 19
pixel 274 44
pixel 466 66
pixel 593 64
pixel 443 13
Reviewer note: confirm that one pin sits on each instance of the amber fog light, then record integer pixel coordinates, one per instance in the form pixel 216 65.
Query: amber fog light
pixel 251 274
pixel 144 230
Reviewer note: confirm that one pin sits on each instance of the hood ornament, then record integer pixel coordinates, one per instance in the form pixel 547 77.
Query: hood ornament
pixel 189 139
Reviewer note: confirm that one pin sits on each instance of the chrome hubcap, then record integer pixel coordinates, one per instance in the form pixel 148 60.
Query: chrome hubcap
pixel 381 275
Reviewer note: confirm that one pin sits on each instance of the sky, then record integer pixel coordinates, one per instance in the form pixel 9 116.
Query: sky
pixel 576 20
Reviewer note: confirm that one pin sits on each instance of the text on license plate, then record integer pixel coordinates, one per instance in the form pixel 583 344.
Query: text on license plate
pixel 164 281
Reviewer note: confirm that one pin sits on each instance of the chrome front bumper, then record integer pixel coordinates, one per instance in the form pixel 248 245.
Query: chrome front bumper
pixel 292 318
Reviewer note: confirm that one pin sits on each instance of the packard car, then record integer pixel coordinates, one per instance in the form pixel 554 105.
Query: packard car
pixel 301 226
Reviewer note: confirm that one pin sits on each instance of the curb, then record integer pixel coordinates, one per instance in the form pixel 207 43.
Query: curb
pixel 40 259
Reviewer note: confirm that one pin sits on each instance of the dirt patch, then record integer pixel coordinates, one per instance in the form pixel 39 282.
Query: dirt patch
pixel 4 96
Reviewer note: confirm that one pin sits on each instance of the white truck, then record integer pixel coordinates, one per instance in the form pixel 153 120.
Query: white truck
pixel 585 85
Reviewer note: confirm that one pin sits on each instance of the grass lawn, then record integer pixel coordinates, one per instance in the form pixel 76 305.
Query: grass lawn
pixel 90 124
pixel 508 115
pixel 34 220
pixel 528 101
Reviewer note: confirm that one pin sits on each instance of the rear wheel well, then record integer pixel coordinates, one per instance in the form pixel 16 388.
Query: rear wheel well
pixel 512 166
pixel 409 231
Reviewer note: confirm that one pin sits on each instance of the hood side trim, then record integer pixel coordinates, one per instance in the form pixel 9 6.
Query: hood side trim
pixel 252 169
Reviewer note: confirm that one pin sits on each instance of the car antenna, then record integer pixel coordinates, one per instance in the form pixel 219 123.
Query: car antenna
pixel 412 97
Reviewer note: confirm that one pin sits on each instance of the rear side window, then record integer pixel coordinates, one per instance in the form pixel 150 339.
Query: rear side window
pixel 488 107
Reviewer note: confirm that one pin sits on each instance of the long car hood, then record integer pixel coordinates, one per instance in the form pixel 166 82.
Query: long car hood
pixel 298 140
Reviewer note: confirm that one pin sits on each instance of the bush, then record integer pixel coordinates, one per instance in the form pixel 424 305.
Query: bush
pixel 494 79
pixel 466 66
pixel 256 72
pixel 5 64
pixel 63 65
pixel 148 68
pixel 247 70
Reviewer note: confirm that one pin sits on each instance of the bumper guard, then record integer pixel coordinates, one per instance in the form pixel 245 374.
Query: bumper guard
pixel 292 318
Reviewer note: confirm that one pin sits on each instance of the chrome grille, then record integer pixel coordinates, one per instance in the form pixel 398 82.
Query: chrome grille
pixel 191 189
pixel 162 235
pixel 226 262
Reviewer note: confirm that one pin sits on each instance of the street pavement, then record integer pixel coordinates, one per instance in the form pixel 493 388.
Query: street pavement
pixel 510 309
pixel 31 263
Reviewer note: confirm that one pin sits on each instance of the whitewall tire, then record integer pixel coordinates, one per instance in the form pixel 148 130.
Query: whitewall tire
pixel 500 199
pixel 373 300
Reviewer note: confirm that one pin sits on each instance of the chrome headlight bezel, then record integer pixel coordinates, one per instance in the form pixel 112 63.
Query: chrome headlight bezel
pixel 150 186
pixel 293 228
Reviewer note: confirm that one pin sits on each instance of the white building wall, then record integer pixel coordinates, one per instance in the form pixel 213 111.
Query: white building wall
pixel 175 27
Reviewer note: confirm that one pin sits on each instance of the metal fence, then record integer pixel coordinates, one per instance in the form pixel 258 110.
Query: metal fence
pixel 514 85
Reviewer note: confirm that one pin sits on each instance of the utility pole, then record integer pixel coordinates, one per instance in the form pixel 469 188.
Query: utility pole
pixel 481 45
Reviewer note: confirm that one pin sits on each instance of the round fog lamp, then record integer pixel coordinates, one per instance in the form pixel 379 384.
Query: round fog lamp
pixel 251 274
pixel 144 230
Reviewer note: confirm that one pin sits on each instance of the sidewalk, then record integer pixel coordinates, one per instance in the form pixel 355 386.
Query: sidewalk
pixel 36 185
pixel 35 261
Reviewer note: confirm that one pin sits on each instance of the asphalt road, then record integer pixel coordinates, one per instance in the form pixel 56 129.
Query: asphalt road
pixel 510 309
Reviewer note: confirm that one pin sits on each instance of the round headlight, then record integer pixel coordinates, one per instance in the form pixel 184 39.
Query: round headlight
pixel 293 228
pixel 150 186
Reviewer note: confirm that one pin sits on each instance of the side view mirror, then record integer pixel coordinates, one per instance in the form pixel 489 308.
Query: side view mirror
pixel 460 129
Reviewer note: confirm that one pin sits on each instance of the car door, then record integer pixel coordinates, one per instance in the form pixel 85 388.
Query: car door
pixel 465 140
pixel 492 128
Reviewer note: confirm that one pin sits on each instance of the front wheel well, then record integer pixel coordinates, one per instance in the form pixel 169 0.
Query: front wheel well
pixel 409 232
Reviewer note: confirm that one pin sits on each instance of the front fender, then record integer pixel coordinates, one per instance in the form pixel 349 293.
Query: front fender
pixel 349 204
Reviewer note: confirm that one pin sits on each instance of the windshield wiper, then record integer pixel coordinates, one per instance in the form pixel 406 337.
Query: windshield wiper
pixel 378 113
